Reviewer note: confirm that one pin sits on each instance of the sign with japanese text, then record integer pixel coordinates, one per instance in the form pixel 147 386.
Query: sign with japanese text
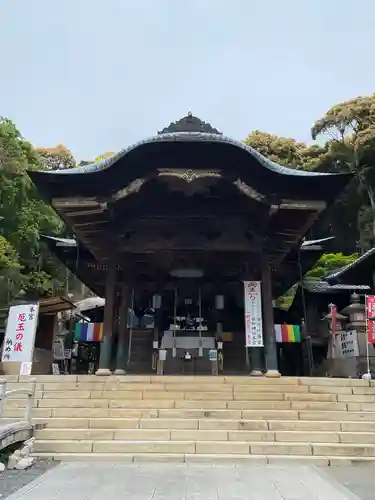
pixel 253 314
pixel 370 308
pixel 20 333
pixel 349 344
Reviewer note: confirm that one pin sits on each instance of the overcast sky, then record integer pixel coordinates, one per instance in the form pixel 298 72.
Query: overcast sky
pixel 99 75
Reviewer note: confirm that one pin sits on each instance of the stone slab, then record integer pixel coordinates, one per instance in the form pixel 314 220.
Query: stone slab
pixel 179 481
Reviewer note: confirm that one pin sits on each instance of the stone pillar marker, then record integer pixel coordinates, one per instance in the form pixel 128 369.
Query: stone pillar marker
pixel 123 333
pixel 110 299
pixel 268 321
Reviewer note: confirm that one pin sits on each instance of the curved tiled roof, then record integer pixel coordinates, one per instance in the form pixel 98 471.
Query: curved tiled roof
pixel 186 137
pixel 337 275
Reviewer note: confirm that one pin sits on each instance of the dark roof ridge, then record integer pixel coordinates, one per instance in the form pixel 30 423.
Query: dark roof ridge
pixel 193 136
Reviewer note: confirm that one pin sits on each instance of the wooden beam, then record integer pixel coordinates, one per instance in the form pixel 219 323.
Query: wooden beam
pixel 302 205
pixel 91 223
pixel 85 212
pixel 74 202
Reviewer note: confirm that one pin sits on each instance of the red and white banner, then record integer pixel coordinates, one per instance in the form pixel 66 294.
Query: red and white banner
pixel 333 319
pixel 253 314
pixel 370 313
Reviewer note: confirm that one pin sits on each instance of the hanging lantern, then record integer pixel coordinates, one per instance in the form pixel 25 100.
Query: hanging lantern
pixel 156 301
pixel 219 302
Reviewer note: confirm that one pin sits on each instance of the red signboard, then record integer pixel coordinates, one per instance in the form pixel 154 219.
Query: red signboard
pixel 370 308
pixel 333 319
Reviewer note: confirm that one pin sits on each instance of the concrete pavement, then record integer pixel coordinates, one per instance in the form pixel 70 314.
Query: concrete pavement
pixel 166 481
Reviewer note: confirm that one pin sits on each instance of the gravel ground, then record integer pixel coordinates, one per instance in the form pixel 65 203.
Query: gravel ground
pixel 13 480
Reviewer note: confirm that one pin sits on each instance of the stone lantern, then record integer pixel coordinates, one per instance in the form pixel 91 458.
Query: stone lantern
pixel 356 313
pixel 336 366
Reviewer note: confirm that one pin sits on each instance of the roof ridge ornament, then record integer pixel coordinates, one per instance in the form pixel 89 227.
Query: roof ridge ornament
pixel 189 123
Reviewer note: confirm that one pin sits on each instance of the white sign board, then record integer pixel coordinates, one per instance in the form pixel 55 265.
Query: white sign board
pixel 348 342
pixel 162 354
pixel 26 368
pixel 55 369
pixel 212 353
pixel 253 314
pixel 20 333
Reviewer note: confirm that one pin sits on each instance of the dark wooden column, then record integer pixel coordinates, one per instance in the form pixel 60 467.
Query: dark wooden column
pixel 268 321
pixel 123 333
pixel 256 360
pixel 109 308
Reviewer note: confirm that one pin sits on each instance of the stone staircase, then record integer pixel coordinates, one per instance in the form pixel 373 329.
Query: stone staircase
pixel 187 418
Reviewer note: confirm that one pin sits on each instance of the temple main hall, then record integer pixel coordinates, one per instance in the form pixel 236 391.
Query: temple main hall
pixel 190 236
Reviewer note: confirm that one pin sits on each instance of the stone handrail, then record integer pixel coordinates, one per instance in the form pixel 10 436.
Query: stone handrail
pixel 30 396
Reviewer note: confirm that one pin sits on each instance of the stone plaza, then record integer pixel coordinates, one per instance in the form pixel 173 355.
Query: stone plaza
pixel 167 481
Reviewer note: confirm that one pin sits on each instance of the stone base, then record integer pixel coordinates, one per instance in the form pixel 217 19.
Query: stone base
pixel 119 371
pixel 256 373
pixel 103 372
pixel 272 374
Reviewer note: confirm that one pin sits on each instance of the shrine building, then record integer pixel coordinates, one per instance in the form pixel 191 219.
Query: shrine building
pixel 175 225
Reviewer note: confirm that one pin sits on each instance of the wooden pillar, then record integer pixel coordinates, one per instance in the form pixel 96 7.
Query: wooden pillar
pixel 268 322
pixel 123 333
pixel 109 307
pixel 256 361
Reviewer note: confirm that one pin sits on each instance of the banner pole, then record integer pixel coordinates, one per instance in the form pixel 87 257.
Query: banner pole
pixel 367 376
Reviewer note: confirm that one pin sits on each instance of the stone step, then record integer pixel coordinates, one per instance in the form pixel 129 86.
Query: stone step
pixel 137 434
pixel 188 458
pixel 203 424
pixel 197 402
pixel 193 380
pixel 206 458
pixel 354 401
pixel 206 447
pixel 198 413
pixel 252 389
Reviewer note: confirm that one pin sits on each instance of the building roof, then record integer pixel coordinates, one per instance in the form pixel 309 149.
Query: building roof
pixel 190 189
pixel 185 143
pixel 360 271
pixel 313 286
pixel 321 292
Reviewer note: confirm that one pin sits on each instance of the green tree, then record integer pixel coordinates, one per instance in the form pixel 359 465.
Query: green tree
pixel 350 130
pixel 286 151
pixel 57 158
pixel 96 159
pixel 329 263
pixel 23 216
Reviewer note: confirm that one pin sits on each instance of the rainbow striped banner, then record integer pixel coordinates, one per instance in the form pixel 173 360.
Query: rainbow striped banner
pixel 287 333
pixel 88 332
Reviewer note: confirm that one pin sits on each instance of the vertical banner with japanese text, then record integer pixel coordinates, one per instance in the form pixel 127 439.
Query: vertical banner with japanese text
pixel 20 333
pixel 333 319
pixel 253 314
pixel 370 308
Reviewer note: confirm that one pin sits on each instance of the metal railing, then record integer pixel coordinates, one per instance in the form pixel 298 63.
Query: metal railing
pixel 30 396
